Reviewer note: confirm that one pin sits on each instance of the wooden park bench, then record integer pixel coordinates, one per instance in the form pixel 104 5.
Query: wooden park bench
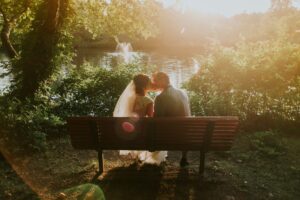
pixel 153 134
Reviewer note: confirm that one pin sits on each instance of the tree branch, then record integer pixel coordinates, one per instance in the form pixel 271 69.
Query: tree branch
pixel 3 14
pixel 26 7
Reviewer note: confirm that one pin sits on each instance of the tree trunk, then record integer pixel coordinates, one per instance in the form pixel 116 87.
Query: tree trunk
pixel 39 50
pixel 8 47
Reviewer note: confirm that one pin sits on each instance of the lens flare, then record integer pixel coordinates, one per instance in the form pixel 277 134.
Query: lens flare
pixel 128 127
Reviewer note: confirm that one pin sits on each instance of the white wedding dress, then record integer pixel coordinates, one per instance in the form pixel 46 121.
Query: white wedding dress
pixel 125 108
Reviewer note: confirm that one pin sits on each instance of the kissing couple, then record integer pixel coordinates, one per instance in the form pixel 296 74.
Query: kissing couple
pixel 134 102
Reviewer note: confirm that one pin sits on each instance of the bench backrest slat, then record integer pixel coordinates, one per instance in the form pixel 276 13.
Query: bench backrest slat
pixel 151 133
pixel 82 133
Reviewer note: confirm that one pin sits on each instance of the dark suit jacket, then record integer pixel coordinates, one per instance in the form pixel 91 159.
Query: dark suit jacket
pixel 171 102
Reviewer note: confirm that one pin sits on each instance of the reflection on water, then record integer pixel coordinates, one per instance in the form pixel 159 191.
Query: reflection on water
pixel 180 67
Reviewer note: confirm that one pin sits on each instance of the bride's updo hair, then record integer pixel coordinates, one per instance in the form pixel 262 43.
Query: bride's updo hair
pixel 141 82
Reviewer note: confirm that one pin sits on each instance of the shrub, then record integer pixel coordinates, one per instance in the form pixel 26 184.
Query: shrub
pixel 260 82
pixel 25 125
pixel 90 90
pixel 84 90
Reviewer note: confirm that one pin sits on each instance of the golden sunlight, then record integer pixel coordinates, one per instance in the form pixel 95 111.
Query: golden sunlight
pixel 149 99
pixel 223 7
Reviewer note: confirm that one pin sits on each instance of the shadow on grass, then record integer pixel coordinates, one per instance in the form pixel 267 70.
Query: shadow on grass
pixel 11 185
pixel 189 185
pixel 182 189
pixel 153 182
pixel 131 182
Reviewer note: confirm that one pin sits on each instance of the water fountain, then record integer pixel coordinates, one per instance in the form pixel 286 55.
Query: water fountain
pixel 124 47
pixel 124 50
pixel 123 54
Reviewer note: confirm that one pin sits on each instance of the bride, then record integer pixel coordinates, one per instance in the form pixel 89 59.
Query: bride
pixel 134 103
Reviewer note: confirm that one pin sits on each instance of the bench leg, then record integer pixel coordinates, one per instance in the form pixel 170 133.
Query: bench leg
pixel 202 163
pixel 100 161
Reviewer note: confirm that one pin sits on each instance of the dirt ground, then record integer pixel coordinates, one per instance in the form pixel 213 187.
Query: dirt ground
pixel 45 175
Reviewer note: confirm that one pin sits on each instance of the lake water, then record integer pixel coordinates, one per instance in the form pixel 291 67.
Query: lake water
pixel 180 66
pixel 4 82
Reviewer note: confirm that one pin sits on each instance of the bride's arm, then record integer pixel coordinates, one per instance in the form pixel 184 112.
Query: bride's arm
pixel 150 110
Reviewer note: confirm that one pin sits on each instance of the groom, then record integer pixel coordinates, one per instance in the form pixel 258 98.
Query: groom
pixel 171 102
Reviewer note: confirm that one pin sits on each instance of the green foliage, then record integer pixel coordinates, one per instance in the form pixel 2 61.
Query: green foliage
pixel 11 9
pixel 26 125
pixel 91 90
pixel 267 144
pixel 116 17
pixel 257 81
pixel 77 91
pixel 15 20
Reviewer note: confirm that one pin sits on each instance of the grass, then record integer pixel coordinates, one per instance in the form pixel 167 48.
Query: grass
pixel 262 165
pixel 265 165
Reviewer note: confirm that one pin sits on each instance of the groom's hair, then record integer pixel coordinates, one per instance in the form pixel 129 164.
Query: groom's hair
pixel 162 76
